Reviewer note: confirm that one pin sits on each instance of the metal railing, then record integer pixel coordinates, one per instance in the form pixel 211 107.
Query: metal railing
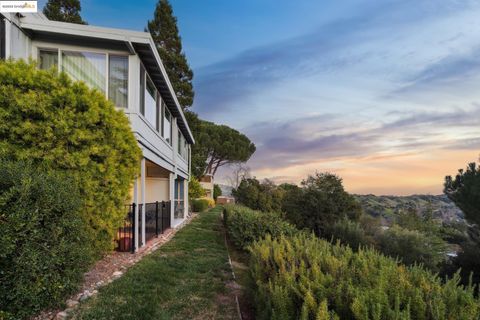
pixel 157 220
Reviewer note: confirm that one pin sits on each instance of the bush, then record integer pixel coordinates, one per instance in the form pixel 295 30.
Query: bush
pixel 413 247
pixel 321 202
pixel 263 196
pixel 43 239
pixel 350 233
pixel 199 205
pixel 217 191
pixel 304 277
pixel 195 189
pixel 47 117
pixel 244 225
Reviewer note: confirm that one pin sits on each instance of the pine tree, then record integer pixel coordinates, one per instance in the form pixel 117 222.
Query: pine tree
pixel 164 31
pixel 64 11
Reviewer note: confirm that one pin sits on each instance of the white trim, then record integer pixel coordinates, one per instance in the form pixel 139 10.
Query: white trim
pixel 143 172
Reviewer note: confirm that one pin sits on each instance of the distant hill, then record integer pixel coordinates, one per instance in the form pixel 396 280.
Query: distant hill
pixel 388 207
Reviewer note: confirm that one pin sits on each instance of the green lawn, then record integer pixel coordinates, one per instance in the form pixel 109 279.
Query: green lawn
pixel 185 279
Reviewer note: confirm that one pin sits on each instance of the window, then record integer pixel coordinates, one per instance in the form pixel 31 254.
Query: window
pixel 86 66
pixel 118 80
pixel 182 146
pixel 142 89
pixel 3 38
pixel 167 125
pixel 47 59
pixel 150 102
pixel 179 143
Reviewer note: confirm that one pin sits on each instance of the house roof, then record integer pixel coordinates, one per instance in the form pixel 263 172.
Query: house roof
pixel 140 43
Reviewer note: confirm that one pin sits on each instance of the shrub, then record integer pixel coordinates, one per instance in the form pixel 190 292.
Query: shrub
pixel 245 225
pixel 43 239
pixel 195 189
pixel 263 196
pixel 304 277
pixel 47 117
pixel 217 191
pixel 413 247
pixel 199 205
pixel 321 202
pixel 349 233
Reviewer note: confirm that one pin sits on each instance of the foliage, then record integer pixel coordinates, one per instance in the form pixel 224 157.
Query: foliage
pixel 244 225
pixel 256 195
pixel 217 191
pixel 464 190
pixel 64 11
pixel 200 205
pixel 350 233
pixel 216 146
pixel 164 31
pixel 45 117
pixel 195 189
pixel 320 202
pixel 43 239
pixel 304 277
pixel 413 247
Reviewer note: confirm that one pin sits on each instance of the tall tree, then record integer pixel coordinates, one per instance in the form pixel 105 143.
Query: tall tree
pixel 464 191
pixel 164 31
pixel 64 11
pixel 216 146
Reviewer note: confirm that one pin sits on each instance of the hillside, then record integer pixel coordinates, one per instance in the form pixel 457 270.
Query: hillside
pixel 390 206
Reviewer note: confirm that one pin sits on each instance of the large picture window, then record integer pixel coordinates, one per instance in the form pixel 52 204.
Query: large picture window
pixel 150 102
pixel 92 69
pixel 88 67
pixel 118 80
pixel 47 59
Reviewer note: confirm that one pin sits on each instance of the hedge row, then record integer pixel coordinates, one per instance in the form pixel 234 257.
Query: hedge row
pixel 303 277
pixel 43 239
pixel 245 225
pixel 199 205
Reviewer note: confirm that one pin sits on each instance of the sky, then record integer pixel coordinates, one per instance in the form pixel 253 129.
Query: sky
pixel 384 93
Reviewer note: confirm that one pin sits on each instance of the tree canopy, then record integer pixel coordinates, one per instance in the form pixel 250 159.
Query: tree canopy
pixel 165 34
pixel 216 146
pixel 64 11
pixel 464 190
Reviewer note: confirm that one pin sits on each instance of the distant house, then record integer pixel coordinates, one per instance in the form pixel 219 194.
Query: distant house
pixel 126 67
pixel 208 184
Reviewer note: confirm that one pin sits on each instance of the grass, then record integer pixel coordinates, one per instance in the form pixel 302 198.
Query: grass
pixel 187 278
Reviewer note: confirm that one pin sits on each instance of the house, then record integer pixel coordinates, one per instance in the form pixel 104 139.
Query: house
pixel 125 65
pixel 207 183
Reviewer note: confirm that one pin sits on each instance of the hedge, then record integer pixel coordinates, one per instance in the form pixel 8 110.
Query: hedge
pixel 43 239
pixel 46 117
pixel 244 225
pixel 303 277
pixel 199 205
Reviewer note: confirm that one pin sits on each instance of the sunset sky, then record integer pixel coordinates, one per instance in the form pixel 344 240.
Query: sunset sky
pixel 384 93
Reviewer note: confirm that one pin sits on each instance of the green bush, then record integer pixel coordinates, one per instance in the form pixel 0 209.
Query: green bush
pixel 195 189
pixel 43 239
pixel 349 233
pixel 200 205
pixel 244 225
pixel 413 247
pixel 217 191
pixel 304 277
pixel 47 117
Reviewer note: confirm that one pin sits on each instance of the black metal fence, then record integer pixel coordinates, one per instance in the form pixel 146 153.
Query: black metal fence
pixel 157 220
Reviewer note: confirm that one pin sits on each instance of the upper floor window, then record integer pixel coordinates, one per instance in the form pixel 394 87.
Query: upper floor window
pixel 151 109
pixel 182 145
pixel 167 125
pixel 47 59
pixel 118 80
pixel 88 67
pixel 92 69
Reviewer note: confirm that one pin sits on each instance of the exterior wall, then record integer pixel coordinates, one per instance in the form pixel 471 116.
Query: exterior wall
pixel 157 189
pixel 17 45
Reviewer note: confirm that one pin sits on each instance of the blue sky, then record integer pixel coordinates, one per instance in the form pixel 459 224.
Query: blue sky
pixel 384 93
